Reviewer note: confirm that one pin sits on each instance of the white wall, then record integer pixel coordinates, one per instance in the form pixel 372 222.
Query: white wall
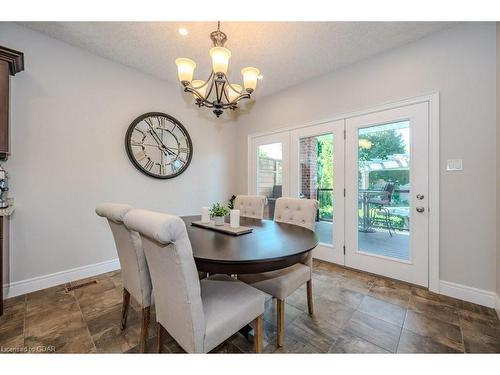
pixel 70 111
pixel 459 63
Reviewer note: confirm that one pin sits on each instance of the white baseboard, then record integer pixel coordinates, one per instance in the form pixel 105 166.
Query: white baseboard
pixel 18 288
pixel 468 293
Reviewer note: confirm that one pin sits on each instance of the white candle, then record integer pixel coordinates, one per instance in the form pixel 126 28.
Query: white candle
pixel 205 214
pixel 234 218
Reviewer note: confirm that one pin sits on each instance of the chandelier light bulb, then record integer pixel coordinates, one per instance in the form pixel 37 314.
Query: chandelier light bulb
pixel 220 59
pixel 185 69
pixel 250 76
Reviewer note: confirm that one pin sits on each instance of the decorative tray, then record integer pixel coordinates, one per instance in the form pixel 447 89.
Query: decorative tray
pixel 226 228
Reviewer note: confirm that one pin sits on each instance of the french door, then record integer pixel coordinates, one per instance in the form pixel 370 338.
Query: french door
pixel 269 168
pixel 387 193
pixel 317 172
pixel 369 174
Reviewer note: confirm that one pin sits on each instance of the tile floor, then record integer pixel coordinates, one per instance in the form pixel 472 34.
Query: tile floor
pixel 355 312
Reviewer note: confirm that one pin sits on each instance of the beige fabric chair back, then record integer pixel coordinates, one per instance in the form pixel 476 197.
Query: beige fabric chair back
pixel 176 286
pixel 295 211
pixel 300 212
pixel 134 268
pixel 251 205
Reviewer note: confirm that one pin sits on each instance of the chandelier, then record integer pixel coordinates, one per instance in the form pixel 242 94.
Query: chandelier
pixel 217 92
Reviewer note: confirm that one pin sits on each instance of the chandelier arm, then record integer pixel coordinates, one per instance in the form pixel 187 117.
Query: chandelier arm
pixel 232 87
pixel 193 91
pixel 241 97
pixel 224 92
pixel 207 104
pixel 199 87
pixel 234 103
pixel 212 81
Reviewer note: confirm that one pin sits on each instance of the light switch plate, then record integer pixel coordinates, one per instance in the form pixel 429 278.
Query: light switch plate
pixel 454 165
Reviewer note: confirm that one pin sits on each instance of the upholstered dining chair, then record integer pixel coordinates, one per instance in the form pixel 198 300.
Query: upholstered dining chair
pixel 281 283
pixel 134 268
pixel 251 205
pixel 198 314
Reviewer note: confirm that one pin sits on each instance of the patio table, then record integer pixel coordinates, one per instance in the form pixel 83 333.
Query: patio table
pixel 365 196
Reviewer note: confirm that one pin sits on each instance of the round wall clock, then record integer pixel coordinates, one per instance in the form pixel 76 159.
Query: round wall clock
pixel 158 145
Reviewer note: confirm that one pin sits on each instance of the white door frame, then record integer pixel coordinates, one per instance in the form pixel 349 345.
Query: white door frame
pixel 434 166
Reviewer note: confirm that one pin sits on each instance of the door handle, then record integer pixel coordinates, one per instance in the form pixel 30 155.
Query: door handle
pixel 420 209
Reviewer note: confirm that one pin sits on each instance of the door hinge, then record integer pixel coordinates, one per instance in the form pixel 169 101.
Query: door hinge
pixel 344 249
pixel 344 192
pixel 344 134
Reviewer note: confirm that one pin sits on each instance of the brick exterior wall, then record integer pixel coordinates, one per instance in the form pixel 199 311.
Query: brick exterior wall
pixel 308 159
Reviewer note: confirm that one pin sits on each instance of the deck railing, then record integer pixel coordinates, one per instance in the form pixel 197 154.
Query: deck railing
pixel 325 207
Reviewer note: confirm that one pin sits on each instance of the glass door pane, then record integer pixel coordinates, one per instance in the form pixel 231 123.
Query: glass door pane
pixel 317 172
pixel 316 180
pixel 270 175
pixel 384 190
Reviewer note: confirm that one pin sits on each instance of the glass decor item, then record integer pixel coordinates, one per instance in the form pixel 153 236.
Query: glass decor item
pixel 234 218
pixel 217 92
pixel 205 214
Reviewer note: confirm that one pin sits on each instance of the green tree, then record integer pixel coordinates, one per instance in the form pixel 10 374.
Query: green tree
pixel 383 143
pixel 325 161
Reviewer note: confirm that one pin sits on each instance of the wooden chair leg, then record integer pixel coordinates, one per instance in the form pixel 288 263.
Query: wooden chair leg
pixel 258 334
pixel 125 306
pixel 159 336
pixel 310 306
pixel 281 321
pixel 144 328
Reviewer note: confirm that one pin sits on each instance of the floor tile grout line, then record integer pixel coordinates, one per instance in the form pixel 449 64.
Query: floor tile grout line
pixel 461 331
pixel 84 320
pixel 401 332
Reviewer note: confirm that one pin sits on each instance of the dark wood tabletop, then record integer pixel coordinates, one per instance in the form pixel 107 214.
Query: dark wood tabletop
pixel 270 246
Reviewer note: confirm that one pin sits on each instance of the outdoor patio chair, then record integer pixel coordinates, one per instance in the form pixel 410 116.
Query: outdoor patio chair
pixel 381 203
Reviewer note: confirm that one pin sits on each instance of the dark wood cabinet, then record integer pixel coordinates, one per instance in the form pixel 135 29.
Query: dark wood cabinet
pixel 11 62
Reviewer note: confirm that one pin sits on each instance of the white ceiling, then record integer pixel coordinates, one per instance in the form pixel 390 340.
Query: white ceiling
pixel 287 53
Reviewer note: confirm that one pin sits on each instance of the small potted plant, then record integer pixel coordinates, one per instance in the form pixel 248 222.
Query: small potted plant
pixel 219 212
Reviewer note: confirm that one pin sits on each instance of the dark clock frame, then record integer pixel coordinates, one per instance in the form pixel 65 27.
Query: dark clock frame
pixel 128 147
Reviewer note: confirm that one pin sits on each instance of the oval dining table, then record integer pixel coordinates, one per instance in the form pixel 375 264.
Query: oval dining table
pixel 269 247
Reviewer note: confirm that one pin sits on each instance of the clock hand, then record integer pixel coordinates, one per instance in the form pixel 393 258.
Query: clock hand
pixel 155 136
pixel 158 140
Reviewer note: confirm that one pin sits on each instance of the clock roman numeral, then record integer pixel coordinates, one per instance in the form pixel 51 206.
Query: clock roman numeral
pixel 133 142
pixel 161 167
pixel 139 156
pixel 161 122
pixel 149 164
pixel 140 131
pixel 149 122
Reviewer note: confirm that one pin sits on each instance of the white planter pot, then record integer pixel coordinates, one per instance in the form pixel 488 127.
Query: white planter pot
pixel 219 220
